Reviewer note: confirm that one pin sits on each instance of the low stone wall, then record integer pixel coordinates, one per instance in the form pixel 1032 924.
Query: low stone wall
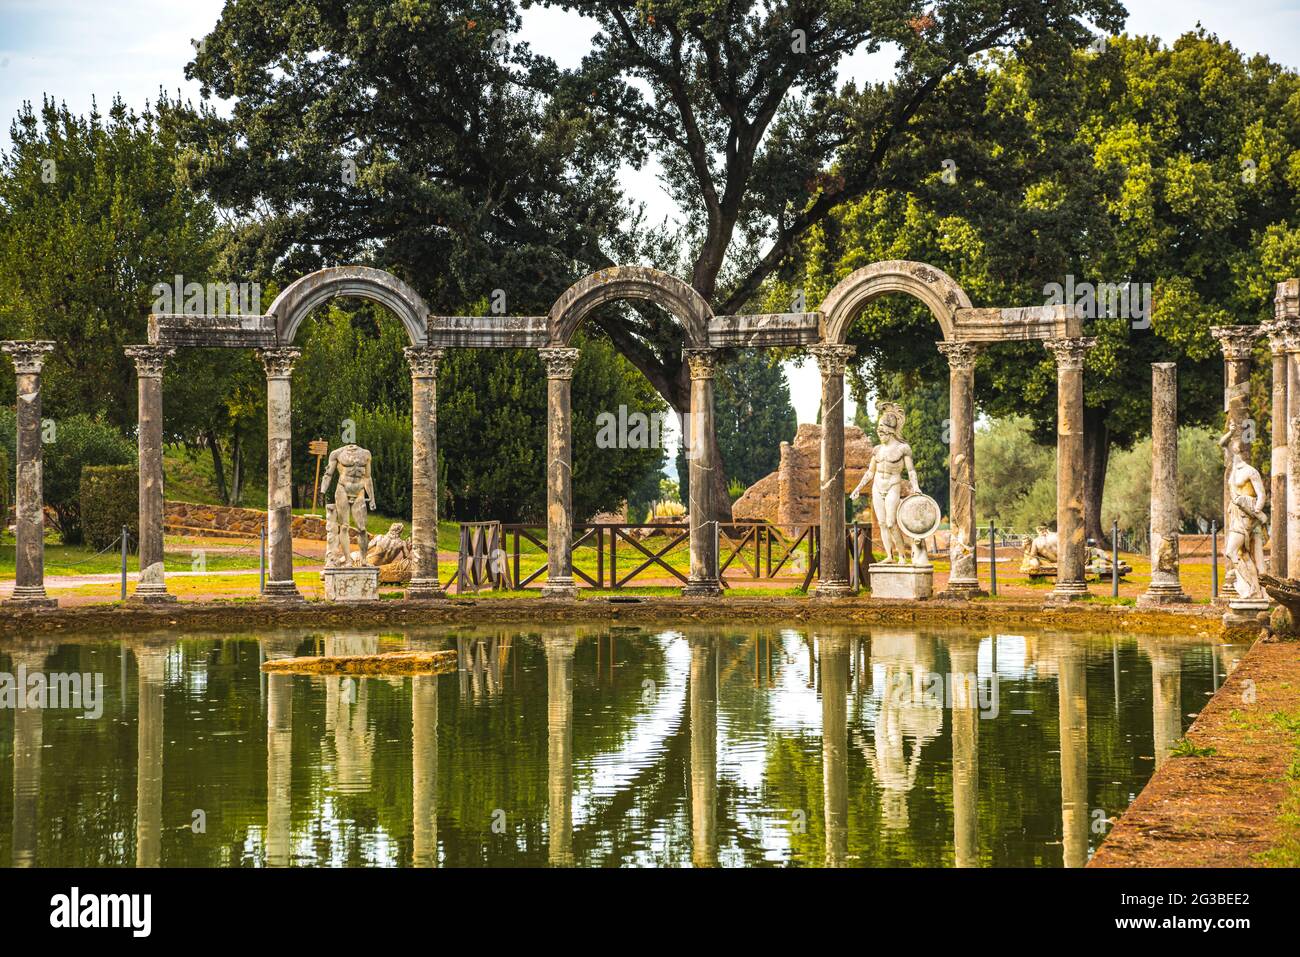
pixel 224 521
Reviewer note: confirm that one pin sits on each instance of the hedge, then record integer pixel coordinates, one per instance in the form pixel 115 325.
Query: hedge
pixel 110 498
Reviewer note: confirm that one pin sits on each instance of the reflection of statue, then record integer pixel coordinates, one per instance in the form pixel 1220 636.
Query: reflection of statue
pixel 1246 522
pixel 351 492
pixel 1040 552
pixel 889 460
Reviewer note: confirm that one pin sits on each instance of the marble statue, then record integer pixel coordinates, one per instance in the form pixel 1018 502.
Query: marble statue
pixel 1040 553
pixel 1247 522
pixel 389 547
pixel 889 460
pixel 354 495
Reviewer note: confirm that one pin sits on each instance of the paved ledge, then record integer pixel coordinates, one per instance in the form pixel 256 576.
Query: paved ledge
pixel 1195 621
pixel 1238 806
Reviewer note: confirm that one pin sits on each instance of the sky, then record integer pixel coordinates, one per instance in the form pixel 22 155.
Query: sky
pixel 77 50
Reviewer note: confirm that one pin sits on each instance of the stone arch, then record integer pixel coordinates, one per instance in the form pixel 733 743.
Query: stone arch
pixel 630 282
pixel 303 295
pixel 934 287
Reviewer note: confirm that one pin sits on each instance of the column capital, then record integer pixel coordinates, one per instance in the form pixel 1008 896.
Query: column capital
pixel 1069 350
pixel 961 356
pixel 560 646
pixel 149 360
pixel 559 361
pixel 832 357
pixel 279 361
pixel 1286 305
pixel 703 362
pixel 423 361
pixel 1278 331
pixel 28 355
pixel 1237 342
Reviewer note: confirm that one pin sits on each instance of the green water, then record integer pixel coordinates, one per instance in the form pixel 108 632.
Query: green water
pixel 597 747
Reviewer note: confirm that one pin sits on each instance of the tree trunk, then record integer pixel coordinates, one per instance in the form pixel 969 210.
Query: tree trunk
pixel 218 469
pixel 1096 454
pixel 236 472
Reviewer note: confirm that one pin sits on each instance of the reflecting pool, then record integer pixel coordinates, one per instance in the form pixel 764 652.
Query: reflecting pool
pixel 591 746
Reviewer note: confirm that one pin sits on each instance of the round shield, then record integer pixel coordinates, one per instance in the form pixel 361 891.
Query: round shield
pixel 918 516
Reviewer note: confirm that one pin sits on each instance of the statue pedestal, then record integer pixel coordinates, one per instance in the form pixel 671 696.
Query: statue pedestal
pixel 1246 611
pixel 351 584
pixel 915 582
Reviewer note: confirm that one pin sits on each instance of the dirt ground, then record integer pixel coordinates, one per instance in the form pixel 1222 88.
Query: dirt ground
pixel 1231 796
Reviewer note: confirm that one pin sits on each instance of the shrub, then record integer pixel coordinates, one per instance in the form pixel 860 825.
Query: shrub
pixel 110 498
pixel 76 442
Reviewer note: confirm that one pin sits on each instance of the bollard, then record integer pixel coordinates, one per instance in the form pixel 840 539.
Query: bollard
pixel 993 561
pixel 126 535
pixel 1114 559
pixel 261 563
pixel 1214 559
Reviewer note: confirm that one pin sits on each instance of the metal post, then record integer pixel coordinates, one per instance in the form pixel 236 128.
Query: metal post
pixel 126 534
pixel 261 562
pixel 1214 559
pixel 993 561
pixel 1114 558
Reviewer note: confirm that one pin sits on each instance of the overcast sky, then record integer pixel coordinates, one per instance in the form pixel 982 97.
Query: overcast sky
pixel 79 49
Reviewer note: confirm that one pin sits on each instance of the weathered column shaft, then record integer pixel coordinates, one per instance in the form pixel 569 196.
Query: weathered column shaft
pixel 833 579
pixel 1285 333
pixel 279 472
pixel 1292 437
pixel 1165 518
pixel 149 361
pixel 1278 474
pixel 703 581
pixel 29 496
pixel 963 577
pixel 424 472
pixel 560 363
pixel 1071 538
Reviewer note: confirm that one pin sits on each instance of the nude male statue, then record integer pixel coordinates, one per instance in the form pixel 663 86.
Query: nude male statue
pixel 351 492
pixel 889 460
pixel 1247 522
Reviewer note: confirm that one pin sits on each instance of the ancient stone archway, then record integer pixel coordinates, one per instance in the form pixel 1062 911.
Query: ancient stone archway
pixel 300 297
pixel 934 287
pixel 630 282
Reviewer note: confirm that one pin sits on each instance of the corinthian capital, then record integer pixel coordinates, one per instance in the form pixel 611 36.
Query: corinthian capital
pixel 423 361
pixel 559 360
pixel 1069 351
pixel 1286 305
pixel 28 355
pixel 832 357
pixel 279 361
pixel 703 362
pixel 149 360
pixel 960 355
pixel 1237 342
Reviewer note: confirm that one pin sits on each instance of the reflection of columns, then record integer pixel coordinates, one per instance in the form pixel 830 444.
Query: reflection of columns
pixel 1072 703
pixel 1237 343
pixel 29 732
pixel 152 665
pixel 424 472
pixel 279 473
pixel 1071 548
pixel 424 770
pixel 29 500
pixel 833 550
pixel 1277 338
pixel 149 428
pixel 833 658
pixel 1164 588
pixel 963 579
pixel 963 678
pixel 279 760
pixel 559 472
pixel 704 751
pixel 703 581
pixel 1166 699
pixel 559 747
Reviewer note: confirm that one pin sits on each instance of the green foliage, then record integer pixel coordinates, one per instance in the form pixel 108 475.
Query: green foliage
pixel 753 415
pixel 387 434
pixel 1015 478
pixel 1200 484
pixel 110 498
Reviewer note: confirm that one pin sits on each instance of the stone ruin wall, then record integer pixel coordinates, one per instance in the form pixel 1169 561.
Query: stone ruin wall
pixel 791 495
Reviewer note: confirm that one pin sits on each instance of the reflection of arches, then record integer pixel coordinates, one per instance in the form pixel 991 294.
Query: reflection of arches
pixel 303 295
pixel 630 282
pixel 934 287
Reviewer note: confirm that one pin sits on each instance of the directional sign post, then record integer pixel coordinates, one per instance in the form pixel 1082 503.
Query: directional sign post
pixel 319 448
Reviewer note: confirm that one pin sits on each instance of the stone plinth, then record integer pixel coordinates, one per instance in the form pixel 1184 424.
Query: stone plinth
pixel 915 582
pixel 1246 612
pixel 351 584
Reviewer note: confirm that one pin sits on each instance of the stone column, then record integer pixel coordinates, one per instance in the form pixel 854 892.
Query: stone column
pixel 559 363
pixel 559 748
pixel 703 581
pixel 1277 339
pixel 1071 543
pixel 279 473
pixel 1072 708
pixel 1237 342
pixel 963 678
pixel 151 662
pixel 833 662
pixel 424 472
pixel 963 576
pixel 29 738
pixel 149 360
pixel 1291 338
pixel 1165 587
pixel 29 500
pixel 703 701
pixel 833 580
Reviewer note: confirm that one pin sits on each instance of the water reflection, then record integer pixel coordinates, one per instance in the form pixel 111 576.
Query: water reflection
pixel 839 747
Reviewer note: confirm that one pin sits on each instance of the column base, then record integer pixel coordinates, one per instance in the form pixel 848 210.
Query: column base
pixel 963 590
pixel 425 589
pixel 285 591
pixel 1164 593
pixel 564 589
pixel 31 596
pixel 702 588
pixel 833 590
pixel 1066 592
pixel 145 594
pixel 1247 612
